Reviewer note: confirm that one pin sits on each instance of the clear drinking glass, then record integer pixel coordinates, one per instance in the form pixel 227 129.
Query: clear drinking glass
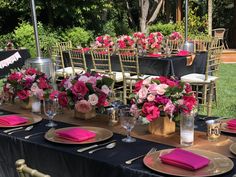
pixel 127 121
pixel 50 110
pixel 187 129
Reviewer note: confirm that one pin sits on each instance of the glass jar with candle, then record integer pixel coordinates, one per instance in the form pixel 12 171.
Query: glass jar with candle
pixel 36 105
pixel 187 129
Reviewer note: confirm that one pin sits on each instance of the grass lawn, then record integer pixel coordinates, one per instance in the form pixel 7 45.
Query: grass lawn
pixel 226 90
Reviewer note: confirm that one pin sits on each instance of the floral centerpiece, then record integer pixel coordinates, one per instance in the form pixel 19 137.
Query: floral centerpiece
pixel 162 96
pixel 175 36
pixel 154 41
pixel 85 92
pixel 125 41
pixel 140 39
pixel 104 41
pixel 27 83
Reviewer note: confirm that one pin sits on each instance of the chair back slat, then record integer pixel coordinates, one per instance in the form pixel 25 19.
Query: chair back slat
pixel 77 59
pixel 101 59
pixel 174 45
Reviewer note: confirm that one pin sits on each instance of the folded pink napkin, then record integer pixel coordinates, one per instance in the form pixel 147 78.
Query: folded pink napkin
pixel 11 120
pixel 76 134
pixel 154 55
pixel 182 53
pixel 231 124
pixel 185 159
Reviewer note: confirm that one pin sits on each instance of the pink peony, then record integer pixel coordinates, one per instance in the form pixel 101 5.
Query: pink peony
pixel 83 106
pixel 150 111
pixel 23 94
pixel 169 108
pixel 79 88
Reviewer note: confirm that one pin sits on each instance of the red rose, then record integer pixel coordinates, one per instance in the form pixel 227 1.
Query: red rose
pixel 162 79
pixel 79 88
pixel 150 111
pixel 43 83
pixel 16 76
pixel 62 99
pixel 138 86
pixel 23 94
pixel 102 99
pixel 189 103
pixel 31 71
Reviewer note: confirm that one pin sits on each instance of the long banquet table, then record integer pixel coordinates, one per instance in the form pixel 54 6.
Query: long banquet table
pixel 61 160
pixel 169 66
pixel 24 54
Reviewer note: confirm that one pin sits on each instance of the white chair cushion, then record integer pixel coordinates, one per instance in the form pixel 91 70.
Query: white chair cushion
pixel 195 77
pixel 119 76
pixel 69 71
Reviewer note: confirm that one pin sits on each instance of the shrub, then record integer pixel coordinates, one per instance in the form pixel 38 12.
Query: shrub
pixel 5 38
pixel 78 36
pixel 165 29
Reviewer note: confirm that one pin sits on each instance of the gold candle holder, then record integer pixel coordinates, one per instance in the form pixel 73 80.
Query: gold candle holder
pixel 213 130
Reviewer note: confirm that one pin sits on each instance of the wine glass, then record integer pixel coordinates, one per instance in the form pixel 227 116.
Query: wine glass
pixel 127 121
pixel 50 110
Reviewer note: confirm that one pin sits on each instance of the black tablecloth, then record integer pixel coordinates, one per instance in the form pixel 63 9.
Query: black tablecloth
pixel 60 160
pixel 170 66
pixel 24 53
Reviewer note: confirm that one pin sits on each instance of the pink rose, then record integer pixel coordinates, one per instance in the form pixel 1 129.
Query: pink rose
pixel 138 86
pixel 151 97
pixel 79 88
pixel 134 110
pixel 188 88
pixel 169 108
pixel 142 93
pixel 54 94
pixel 161 89
pixel 62 99
pixel 105 89
pixel 16 76
pixel 23 94
pixel 67 84
pixel 150 111
pixel 83 106
pixel 92 80
pixel 153 89
pixel 43 83
pixel 93 99
pixel 39 93
pixel 83 78
pixel 189 103
pixel 30 71
pixel 171 83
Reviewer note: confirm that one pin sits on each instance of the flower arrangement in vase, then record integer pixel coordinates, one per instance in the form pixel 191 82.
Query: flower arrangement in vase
pixel 125 41
pixel 162 96
pixel 84 93
pixel 104 41
pixel 175 36
pixel 154 41
pixel 27 83
pixel 140 40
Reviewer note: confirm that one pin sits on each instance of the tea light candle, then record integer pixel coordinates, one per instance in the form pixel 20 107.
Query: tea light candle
pixel 36 106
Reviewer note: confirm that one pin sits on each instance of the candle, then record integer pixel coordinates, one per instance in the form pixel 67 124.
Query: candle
pixel 187 136
pixel 36 107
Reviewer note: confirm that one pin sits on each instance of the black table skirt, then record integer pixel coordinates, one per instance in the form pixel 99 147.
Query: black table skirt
pixel 24 53
pixel 60 160
pixel 171 66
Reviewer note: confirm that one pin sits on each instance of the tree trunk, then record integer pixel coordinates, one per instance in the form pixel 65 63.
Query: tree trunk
pixel 210 7
pixel 144 6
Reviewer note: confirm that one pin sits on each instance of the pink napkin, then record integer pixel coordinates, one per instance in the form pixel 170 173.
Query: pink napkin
pixel 182 53
pixel 11 120
pixel 231 124
pixel 76 134
pixel 154 55
pixel 185 159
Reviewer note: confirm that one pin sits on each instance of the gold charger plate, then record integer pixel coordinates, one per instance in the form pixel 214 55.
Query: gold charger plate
pixel 31 120
pixel 224 127
pixel 232 148
pixel 102 134
pixel 219 164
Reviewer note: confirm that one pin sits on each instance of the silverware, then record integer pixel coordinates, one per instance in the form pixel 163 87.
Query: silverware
pixel 109 146
pixel 12 129
pixel 26 129
pixel 95 145
pixel 34 134
pixel 128 162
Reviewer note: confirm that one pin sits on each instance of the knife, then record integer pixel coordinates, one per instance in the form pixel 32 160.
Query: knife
pixel 93 146
pixel 13 129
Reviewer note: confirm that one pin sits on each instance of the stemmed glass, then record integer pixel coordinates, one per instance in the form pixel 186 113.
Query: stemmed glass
pixel 127 120
pixel 50 110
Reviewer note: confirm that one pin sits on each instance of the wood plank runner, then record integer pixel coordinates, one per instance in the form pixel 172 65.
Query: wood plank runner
pixel 140 131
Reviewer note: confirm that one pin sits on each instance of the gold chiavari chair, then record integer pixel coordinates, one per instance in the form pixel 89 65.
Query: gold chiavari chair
pixel 25 171
pixel 77 59
pixel 209 78
pixel 174 45
pixel 64 45
pixel 101 58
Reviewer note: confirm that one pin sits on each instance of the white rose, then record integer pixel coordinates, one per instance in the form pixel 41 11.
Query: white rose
pixel 93 99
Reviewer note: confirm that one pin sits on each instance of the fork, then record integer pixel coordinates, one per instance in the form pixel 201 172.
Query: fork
pixel 130 161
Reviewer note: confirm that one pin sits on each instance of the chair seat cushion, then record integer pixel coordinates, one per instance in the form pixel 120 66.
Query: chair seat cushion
pixel 69 71
pixel 195 77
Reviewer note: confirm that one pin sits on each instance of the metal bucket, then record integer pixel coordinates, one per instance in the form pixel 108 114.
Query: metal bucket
pixel 44 65
pixel 189 46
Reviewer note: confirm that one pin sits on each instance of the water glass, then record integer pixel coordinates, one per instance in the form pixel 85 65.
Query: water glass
pixel 127 121
pixel 50 110
pixel 187 129
pixel 213 130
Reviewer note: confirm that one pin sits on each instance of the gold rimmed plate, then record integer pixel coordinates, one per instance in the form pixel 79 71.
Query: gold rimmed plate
pixel 31 120
pixel 232 148
pixel 224 127
pixel 102 134
pixel 219 164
